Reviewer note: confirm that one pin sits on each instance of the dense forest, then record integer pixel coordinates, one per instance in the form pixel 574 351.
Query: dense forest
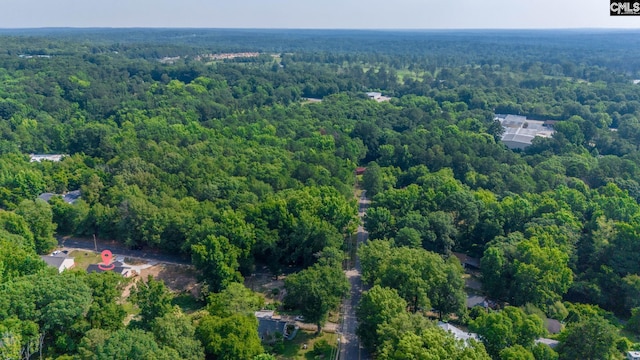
pixel 247 163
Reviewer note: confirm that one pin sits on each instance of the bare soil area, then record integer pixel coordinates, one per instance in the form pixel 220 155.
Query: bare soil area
pixel 178 278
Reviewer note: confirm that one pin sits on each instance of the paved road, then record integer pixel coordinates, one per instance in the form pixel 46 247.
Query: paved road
pixel 350 348
pixel 119 249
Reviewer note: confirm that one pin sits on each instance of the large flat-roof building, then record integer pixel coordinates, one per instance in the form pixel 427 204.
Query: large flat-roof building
pixel 520 131
pixel 48 157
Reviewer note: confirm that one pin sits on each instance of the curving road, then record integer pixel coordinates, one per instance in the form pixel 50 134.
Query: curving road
pixel 350 348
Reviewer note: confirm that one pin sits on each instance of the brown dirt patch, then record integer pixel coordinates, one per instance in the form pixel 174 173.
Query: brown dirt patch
pixel 179 278
pixel 266 284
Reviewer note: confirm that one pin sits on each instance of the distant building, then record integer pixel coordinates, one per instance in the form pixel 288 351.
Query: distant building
pixel 459 334
pixel 550 342
pixel 374 95
pixel 520 131
pixel 51 157
pixel 377 96
pixel 70 198
pixel 476 300
pixel 468 262
pixel 360 170
pixel 633 355
pixel 61 262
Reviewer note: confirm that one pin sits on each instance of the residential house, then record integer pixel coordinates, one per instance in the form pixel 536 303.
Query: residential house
pixel 459 334
pixel 60 262
pixel 269 325
pixel 118 268
pixel 468 262
pixel 633 355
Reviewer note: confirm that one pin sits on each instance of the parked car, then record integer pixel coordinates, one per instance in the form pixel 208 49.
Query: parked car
pixel 299 318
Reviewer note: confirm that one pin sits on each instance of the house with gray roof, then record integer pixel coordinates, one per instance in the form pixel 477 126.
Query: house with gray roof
pixel 269 325
pixel 61 263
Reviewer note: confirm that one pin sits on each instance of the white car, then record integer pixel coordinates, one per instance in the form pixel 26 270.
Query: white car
pixel 299 318
pixel 55 252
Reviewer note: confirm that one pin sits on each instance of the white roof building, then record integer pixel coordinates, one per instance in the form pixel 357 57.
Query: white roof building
pixel 520 131
pixel 459 334
pixel 633 355
pixel 40 157
pixel 61 262
pixel 550 342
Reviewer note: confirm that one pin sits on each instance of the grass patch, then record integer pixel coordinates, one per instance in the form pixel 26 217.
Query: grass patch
pixel 187 303
pixel 130 308
pixel 294 349
pixel 84 258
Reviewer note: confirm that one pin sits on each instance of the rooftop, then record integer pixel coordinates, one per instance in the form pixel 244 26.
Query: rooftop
pixel 118 268
pixel 49 157
pixel 55 261
pixel 520 131
pixel 551 342
pixel 457 333
pixel 477 300
pixel 267 328
pixel 467 260
pixel 70 198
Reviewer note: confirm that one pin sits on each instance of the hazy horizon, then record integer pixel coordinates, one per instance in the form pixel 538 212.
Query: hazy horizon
pixel 330 14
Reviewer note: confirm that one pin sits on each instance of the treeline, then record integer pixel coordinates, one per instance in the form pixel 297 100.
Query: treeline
pixel 227 164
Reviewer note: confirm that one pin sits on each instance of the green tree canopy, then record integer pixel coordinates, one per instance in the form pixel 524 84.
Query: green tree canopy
pixel 315 291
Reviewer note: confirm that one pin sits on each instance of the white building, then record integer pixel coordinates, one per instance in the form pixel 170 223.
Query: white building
pixel 520 131
pixel 633 355
pixel 51 157
pixel 459 334
pixel 374 95
pixel 549 342
pixel 61 262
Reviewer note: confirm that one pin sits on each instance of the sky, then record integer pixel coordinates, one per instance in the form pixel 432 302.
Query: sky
pixel 328 14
